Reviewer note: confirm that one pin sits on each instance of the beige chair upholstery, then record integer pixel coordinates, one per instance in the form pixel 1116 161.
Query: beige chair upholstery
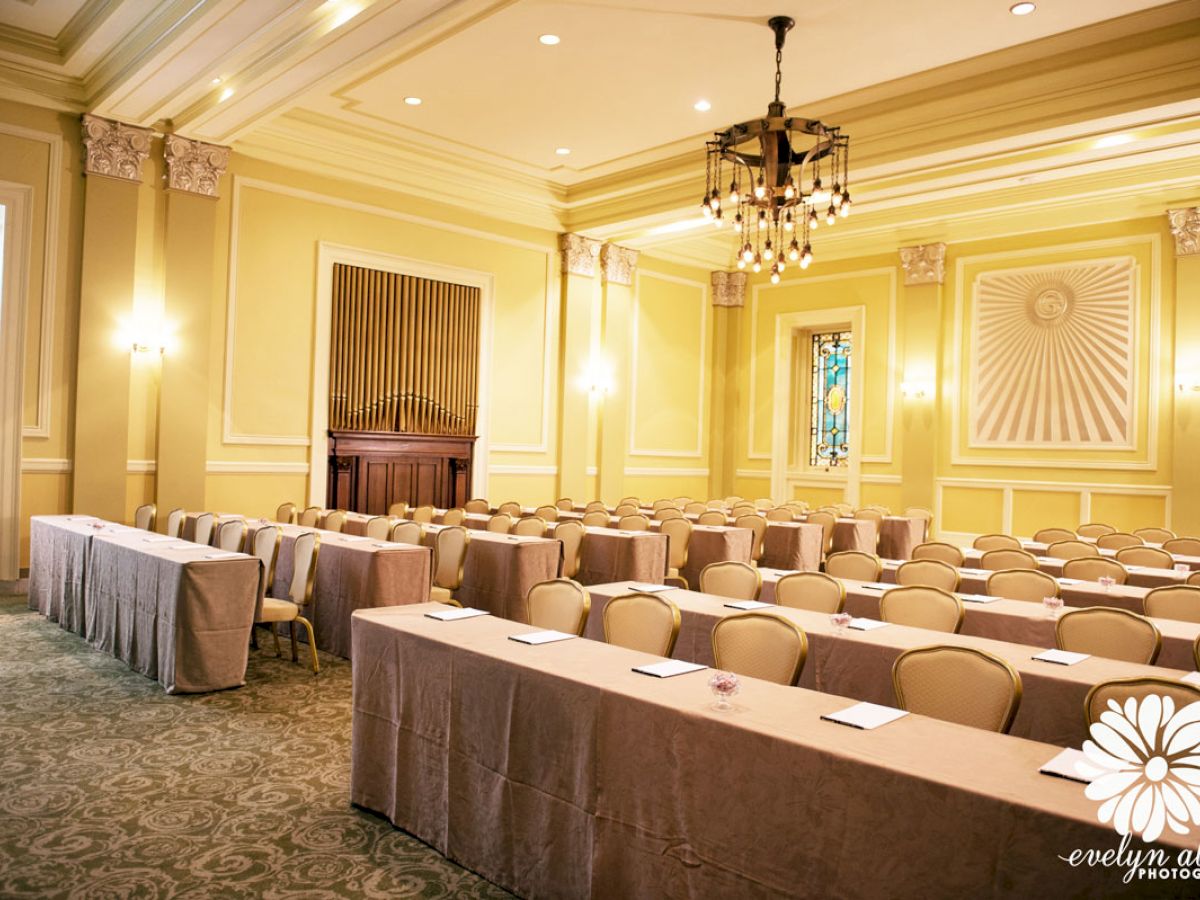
pixel 732 579
pixel 286 513
pixel 764 503
pixel 733 500
pixel 679 539
pixel 1119 540
pixel 378 528
pixel 1094 530
pixel 694 508
pixel 597 518
pixel 920 512
pixel 398 509
pixel 715 504
pixel 571 534
pixel 596 506
pixel 423 514
pixel 958 684
pixel 797 506
pixel 1007 558
pixel 558 605
pixel 500 523
pixel 455 516
pixel 1150 557
pixel 566 504
pixel 335 521
pixel 449 556
pixel 477 505
pixel 645 622
pixel 310 517
pixel 1194 578
pixel 408 533
pixel 635 522
pixel 871 515
pixel 826 520
pixel 853 564
pixel 204 528
pixel 712 517
pixel 1175 601
pixel 1029 585
pixel 922 607
pixel 304 572
pixel 1183 546
pixel 986 542
pixel 1093 568
pixel 1104 695
pixel 661 504
pixel 547 513
pixel 510 508
pixel 531 526
pixel 175 522
pixel 813 591
pixel 630 501
pixel 265 546
pixel 1154 535
pixel 668 512
pixel 1108 632
pixel 627 509
pixel 1053 535
pixel 145 516
pixel 757 525
pixel 1071 550
pixel 760 645
pixel 943 552
pixel 231 535
pixel 743 509
pixel 781 514
pixel 929 573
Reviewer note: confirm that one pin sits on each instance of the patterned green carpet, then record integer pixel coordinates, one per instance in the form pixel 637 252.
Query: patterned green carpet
pixel 110 788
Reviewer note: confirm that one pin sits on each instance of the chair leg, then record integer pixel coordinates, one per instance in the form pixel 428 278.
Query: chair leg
pixel 312 641
pixel 275 634
pixel 292 632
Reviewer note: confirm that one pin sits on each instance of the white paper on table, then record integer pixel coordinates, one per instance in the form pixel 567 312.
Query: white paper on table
pixel 1191 678
pixel 867 624
pixel 749 604
pixel 354 538
pixel 1063 766
pixel 160 539
pixel 1069 581
pixel 877 586
pixel 186 547
pixel 83 518
pixel 866 715
pixel 668 668
pixel 223 554
pixel 1062 657
pixel 450 615
pixel 1129 568
pixel 967 571
pixel 651 588
pixel 540 637
pixel 978 598
pixel 384 545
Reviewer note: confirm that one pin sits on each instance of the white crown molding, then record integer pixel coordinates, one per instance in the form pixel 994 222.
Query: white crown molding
pixel 45 466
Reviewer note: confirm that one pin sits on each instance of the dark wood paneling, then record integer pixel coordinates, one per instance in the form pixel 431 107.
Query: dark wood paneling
pixel 369 471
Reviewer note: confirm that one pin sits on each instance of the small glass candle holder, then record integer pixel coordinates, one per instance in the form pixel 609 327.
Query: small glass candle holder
pixel 1052 605
pixel 1182 567
pixel 840 621
pixel 1106 582
pixel 723 685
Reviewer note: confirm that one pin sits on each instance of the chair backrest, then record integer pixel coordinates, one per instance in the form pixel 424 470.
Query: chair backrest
pixel 304 567
pixel 1094 530
pixel 994 560
pixel 571 534
pixel 760 645
pixel 626 509
pixel 813 591
pixel 407 533
pixel 636 522
pixel 679 538
pixel 1175 601
pixel 733 500
pixel 939 550
pixel 531 526
pixel 204 528
pixel 729 578
pixel 1194 578
pixel 1183 546
pixel 1030 585
pixel 871 515
pixel 378 528
pixel 986 542
pixel 715 504
pixel 175 522
pixel 645 622
pixel 922 607
pixel 669 512
pixel 231 535
pixel 713 517
pixel 1093 568
pixel 853 564
pixel 336 520
pixel 566 504
pixel 399 509
pixel 267 539
pixel 422 514
pixel 928 572
pixel 826 520
pixel 781 514
pixel 597 518
pixel 1154 535
pixel 1053 535
pixel 455 516
pixel 144 516
pixel 758 525
pixel 285 513
pixel 764 503
pixel 310 517
pixel 449 556
pixel 1108 632
pixel 477 505
pixel 559 605
pixel 694 508
pixel 548 513
pixel 661 504
pixel 958 684
pixel 1151 557
pixel 1112 695
pixel 500 523
pixel 596 505
pixel 797 506
pixel 1118 540
pixel 510 508
pixel 743 509
pixel 630 501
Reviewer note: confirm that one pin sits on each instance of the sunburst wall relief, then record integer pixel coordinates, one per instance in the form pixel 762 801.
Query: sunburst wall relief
pixel 1052 356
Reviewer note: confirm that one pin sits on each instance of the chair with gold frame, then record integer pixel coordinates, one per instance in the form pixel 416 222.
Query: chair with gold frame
pixel 757 525
pixel 231 535
pixel 1147 557
pixel 1110 633
pixel 922 607
pixel 871 515
pixel 814 591
pixel 958 684
pixel 626 509
pixel 450 546
pixel 510 508
pixel 743 509
pixel 571 534
pixel 423 514
pixel 310 517
pixel 265 545
pixel 405 532
pixel 145 516
pixel 204 528
pixel 1112 694
pixel 1194 578
pixel 729 578
pixel 716 504
pixel 566 504
pixel 597 518
pixel 305 552
pixel 547 513
pixel 500 523
pixel 920 512
pixel 635 522
pixel 1094 530
pixel 694 508
pixel 530 526
pixel 630 501
pixel 661 504
pixel 1053 535
pixel 175 522
pixel 780 514
pixel 941 551
pixel 1093 568
pixel 595 506
pixel 853 564
pixel 455 516
pixel 645 622
pixel 713 517
pixel 760 645
pixel 827 521
pixel 558 605
pixel 1030 585
pixel 335 520
pixel 986 542
pixel 1174 601
pixel 477 505
pixel 679 538
pixel 1118 540
pixel 378 528
pixel 286 513
pixel 669 512
pixel 1007 558
pixel 928 573
pixel 398 510
pixel 1183 546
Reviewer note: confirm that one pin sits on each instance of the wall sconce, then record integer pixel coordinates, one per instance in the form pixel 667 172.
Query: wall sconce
pixel 917 389
pixel 136 347
pixel 142 337
pixel 597 378
pixel 1187 382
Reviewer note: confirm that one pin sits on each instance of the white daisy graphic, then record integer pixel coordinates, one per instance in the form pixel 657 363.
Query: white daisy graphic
pixel 1144 758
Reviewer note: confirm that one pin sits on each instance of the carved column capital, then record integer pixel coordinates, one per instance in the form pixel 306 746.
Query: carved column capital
pixel 617 264
pixel 729 288
pixel 194 166
pixel 114 149
pixel 924 264
pixel 578 254
pixel 1185 226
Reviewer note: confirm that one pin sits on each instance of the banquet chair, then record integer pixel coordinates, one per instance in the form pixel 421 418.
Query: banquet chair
pixel 1175 601
pixel 1150 557
pixel 399 509
pixel 175 522
pixel 1104 695
pixel 571 534
pixel 1109 632
pixel 694 508
pixel 1030 585
pixel 1053 535
pixel 780 514
pixel 814 591
pixel 661 504
pixel 871 515
pixel 764 503
pixel 378 528
pixel 760 645
pixel 826 521
pixel 844 509
pixel 231 535
pixel 500 523
pixel 510 508
pixel 733 500
pixel 265 545
pixel 715 504
pixel 1094 530
pixel 986 542
pixel 204 528
pixel 958 684
pixel 300 593
pixel 1119 540
pixel 630 501
pixel 712 517
pixel 681 502
pixel 669 512
pixel 1007 558
pixel 645 622
pixel 449 557
pixel 595 506
pixel 566 504
pixel 796 506
pixel 335 520
pixel 558 605
pixel 679 538
pixel 407 533
pixel 1154 535
pixel 597 518
pixel 743 509
pixel 635 522
pixel 285 513
pixel 548 513
pixel 477 505
pixel 834 511
pixel 310 517
pixel 1194 578
pixel 455 516
pixel 758 526
pixel 922 607
pixel 531 526
pixel 626 509
pixel 1071 550
pixel 422 514
pixel 1183 546
pixel 1093 568
pixel 729 578
pixel 920 512
pixel 144 517
pixel 853 564
pixel 928 573
pixel 941 551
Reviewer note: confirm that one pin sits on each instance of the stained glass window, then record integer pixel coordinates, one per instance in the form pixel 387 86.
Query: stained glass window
pixel 829 444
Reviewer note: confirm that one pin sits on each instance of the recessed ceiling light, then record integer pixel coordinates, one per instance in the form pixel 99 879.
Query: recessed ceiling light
pixel 413 101
pixel 563 151
pixel 216 80
pixel 1022 9
pixel 548 39
pixel 225 95
pixel 1113 140
pixel 342 12
pixel 701 106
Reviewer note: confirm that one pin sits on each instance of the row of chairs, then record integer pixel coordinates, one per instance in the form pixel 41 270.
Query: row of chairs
pixel 1061 541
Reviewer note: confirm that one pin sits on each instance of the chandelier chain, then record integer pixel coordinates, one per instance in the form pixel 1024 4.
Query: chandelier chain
pixel 778 71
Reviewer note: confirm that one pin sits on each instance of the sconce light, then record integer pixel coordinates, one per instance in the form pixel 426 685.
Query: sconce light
pixel 142 336
pixel 597 377
pixel 1187 382
pixel 917 389
pixel 136 347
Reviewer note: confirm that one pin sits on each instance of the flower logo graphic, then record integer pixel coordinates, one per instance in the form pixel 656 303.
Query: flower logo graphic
pixel 1144 759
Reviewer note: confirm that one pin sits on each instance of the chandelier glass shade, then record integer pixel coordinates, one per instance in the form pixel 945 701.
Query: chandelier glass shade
pixel 782 177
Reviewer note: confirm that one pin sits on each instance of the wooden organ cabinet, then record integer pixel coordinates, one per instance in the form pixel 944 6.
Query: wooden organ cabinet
pixel 370 470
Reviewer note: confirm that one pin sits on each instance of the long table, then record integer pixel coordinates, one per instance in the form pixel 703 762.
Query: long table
pixel 1136 576
pixel 557 771
pixel 59 547
pixel 1039 548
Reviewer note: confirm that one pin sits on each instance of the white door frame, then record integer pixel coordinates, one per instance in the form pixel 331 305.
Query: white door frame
pixel 327 256
pixel 17 200
pixel 786 326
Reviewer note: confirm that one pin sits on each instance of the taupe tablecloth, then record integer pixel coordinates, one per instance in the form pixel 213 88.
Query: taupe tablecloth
pixel 177 612
pixel 792 545
pixel 900 535
pixel 852 534
pixel 635 555
pixel 58 556
pixel 355 524
pixel 858 664
pixel 1136 576
pixel 1039 548
pixel 555 771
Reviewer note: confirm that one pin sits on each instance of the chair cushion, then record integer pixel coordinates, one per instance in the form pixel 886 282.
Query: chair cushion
pixel 278 610
pixel 439 593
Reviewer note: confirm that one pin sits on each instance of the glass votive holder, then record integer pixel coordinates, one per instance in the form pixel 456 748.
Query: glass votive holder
pixel 840 621
pixel 1182 567
pixel 1052 605
pixel 724 685
pixel 1106 582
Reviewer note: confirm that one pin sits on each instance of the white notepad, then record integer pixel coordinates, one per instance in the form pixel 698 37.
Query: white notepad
pixel 867 624
pixel 1191 678
pixel 450 615
pixel 978 598
pixel 383 545
pixel 866 715
pixel 354 538
pixel 185 547
pixel 651 588
pixel 540 637
pixel 1062 657
pixel 749 604
pixel 967 571
pixel 669 668
pixel 1069 581
pixel 1063 766
pixel 877 586
pixel 160 539
pixel 222 554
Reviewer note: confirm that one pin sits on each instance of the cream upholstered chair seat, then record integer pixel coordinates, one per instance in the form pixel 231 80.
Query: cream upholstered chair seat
pixel 144 516
pixel 1030 585
pixel 928 572
pixel 1007 558
pixel 853 564
pixel 986 542
pixel 922 607
pixel 1071 550
pixel 940 551
pixel 730 578
pixel 635 522
pixel 597 518
pixel 1184 546
pixel 1103 696
pixel 760 645
pixel 1154 535
pixel 1110 633
pixel 500 523
pixel 532 526
pixel 305 552
pixel 449 557
pixel 1175 601
pixel 559 605
pixel 1094 530
pixel 958 684
pixel 455 516
pixel 510 508
pixel 275 610
pixel 813 591
pixel 571 534
pixel 1118 540
pixel 757 525
pixel 679 539
pixel 1094 568
pixel 645 622
pixel 477 505
pixel 1150 557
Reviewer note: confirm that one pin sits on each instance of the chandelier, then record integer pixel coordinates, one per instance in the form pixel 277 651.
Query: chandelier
pixel 778 196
